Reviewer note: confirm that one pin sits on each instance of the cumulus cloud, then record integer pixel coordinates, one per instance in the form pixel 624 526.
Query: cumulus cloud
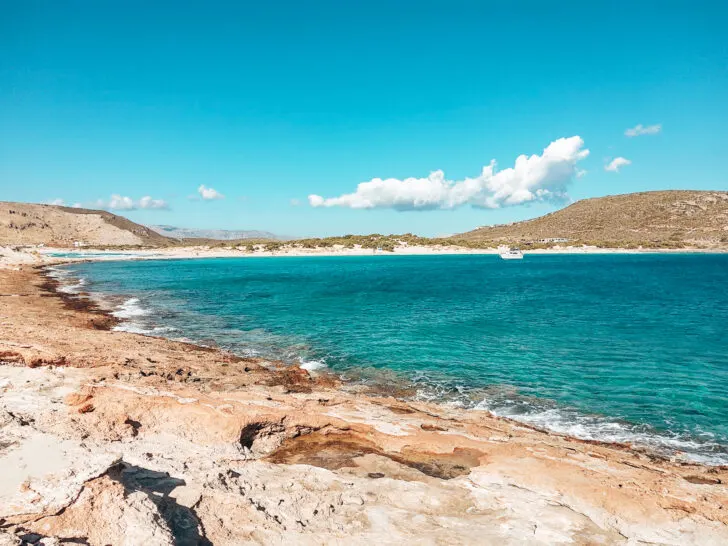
pixel 640 129
pixel 147 202
pixel 617 163
pixel 120 202
pixel 534 178
pixel 209 194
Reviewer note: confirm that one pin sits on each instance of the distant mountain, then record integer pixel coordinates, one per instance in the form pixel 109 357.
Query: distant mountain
pixel 659 216
pixel 214 234
pixel 32 224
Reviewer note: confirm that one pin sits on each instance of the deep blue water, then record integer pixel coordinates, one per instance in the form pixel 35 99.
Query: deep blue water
pixel 614 347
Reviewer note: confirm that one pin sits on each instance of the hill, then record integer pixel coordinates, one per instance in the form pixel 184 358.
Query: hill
pixel 662 217
pixel 213 234
pixel 31 224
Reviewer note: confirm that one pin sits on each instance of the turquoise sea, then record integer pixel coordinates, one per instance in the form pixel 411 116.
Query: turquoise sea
pixel 612 347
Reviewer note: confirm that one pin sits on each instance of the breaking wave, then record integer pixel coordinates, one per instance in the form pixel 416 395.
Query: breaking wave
pixel 506 401
pixel 130 309
pixel 312 365
pixel 67 282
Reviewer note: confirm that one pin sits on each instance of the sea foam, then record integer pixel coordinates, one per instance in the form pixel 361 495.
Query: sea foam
pixel 73 288
pixel 311 365
pixel 130 309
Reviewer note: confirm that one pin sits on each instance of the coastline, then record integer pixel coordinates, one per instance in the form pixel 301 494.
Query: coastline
pixel 205 252
pixel 135 313
pixel 11 257
pixel 136 390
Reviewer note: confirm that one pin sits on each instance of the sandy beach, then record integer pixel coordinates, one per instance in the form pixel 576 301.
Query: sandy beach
pixel 113 437
pixel 13 256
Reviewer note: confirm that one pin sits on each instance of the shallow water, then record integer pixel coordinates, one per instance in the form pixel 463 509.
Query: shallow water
pixel 613 347
pixel 84 254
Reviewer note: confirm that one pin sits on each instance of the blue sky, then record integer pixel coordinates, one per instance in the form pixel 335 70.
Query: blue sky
pixel 269 103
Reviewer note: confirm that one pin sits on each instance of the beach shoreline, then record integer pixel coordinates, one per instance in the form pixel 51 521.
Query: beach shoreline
pixel 14 256
pixel 206 252
pixel 134 312
pixel 137 390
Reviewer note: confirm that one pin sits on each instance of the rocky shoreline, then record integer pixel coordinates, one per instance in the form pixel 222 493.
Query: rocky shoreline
pixel 115 438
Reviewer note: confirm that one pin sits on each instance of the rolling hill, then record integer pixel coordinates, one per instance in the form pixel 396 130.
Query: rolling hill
pixel 676 216
pixel 32 224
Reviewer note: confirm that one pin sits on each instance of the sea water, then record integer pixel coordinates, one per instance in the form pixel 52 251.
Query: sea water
pixel 628 348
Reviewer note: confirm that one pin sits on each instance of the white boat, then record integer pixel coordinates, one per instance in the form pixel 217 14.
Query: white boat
pixel 511 253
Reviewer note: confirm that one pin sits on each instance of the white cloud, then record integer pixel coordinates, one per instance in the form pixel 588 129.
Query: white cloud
pixel 640 129
pixel 57 202
pixel 77 206
pixel 120 202
pixel 147 202
pixel 534 178
pixel 617 163
pixel 580 173
pixel 209 193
